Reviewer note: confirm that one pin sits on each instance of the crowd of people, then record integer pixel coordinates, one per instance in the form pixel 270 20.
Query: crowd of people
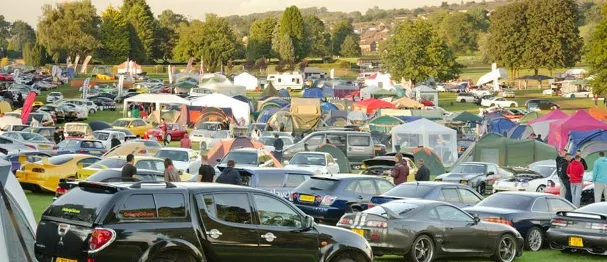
pixel 570 170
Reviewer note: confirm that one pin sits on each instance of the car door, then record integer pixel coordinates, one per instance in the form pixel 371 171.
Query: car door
pixel 229 227
pixel 468 197
pixel 450 195
pixel 281 237
pixel 361 190
pixel 540 212
pixel 462 234
pixel 557 205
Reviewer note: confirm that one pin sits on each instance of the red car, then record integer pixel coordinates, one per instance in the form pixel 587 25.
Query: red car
pixel 555 189
pixel 175 132
pixel 5 77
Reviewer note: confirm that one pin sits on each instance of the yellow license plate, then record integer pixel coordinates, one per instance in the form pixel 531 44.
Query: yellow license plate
pixel 361 232
pixel 463 182
pixel 576 242
pixel 60 259
pixel 43 146
pixel 306 198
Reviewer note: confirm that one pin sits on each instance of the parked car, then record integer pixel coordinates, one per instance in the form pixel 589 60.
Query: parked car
pixel 498 101
pixel 199 221
pixel 181 157
pixel 58 112
pixel 413 227
pixel 30 156
pixel 319 163
pixel 140 162
pixel 106 137
pixel 39 142
pixel 175 132
pixel 580 230
pixel 89 106
pixel 327 198
pixel 120 99
pixel 103 103
pixel 5 77
pixel 135 125
pixel 464 97
pixel 525 180
pixel 81 146
pixel 479 99
pixel 151 146
pixel 530 213
pixel 507 93
pixel 44 175
pixel 204 129
pixel 478 175
pixel 588 193
pixel 248 157
pixel 54 97
pixel 208 142
pixel 128 135
pixel 540 104
pixel 357 146
pixel 279 181
pixel 454 194
pixel 81 112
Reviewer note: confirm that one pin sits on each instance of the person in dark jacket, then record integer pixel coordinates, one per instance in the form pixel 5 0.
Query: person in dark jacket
pixel 582 160
pixel 562 162
pixel 230 175
pixel 423 173
pixel 129 170
pixel 278 147
pixel 206 172
pixel 114 142
pixel 400 171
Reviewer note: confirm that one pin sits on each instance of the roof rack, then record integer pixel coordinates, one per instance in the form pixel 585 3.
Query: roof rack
pixel 138 184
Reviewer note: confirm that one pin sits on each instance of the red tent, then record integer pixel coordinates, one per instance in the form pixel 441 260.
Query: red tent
pixel 369 106
pixel 553 115
pixel 579 121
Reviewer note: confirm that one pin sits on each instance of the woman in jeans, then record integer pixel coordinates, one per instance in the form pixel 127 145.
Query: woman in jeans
pixel 575 171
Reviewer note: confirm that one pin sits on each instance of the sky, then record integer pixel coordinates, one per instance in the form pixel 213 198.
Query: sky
pixel 30 10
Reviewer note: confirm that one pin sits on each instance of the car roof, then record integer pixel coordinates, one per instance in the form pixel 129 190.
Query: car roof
pixel 419 201
pixel 313 153
pixel 345 177
pixel 128 118
pixel 339 131
pixel 176 149
pixel 136 158
pixel 274 170
pixel 521 193
pixel 248 149
pixel 476 163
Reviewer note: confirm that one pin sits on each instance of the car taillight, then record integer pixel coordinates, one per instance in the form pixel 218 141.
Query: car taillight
pixel 559 223
pixel 55 147
pixel 90 259
pixel 143 151
pixel 31 146
pixel 346 221
pixel 38 170
pixel 372 223
pixel 370 206
pixel 101 238
pixel 60 191
pixel 598 226
pixel 328 200
pixel 498 220
pixel 82 151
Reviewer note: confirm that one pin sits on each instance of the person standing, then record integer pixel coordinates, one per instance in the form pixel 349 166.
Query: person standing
pixel 185 141
pixel 400 171
pixel 599 177
pixel 562 161
pixel 229 175
pixel 171 174
pixel 163 128
pixel 256 134
pixel 129 170
pixel 206 172
pixel 575 172
pixel 278 147
pixel 582 160
pixel 423 173
pixel 539 138
pixel 57 136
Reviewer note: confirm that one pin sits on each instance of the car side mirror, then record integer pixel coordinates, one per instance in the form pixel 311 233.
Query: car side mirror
pixel 551 183
pixel 218 160
pixel 308 222
pixel 490 173
pixel 476 219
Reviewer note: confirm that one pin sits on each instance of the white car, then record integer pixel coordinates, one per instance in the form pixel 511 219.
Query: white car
pixel 548 92
pixel 208 142
pixel 482 92
pixel 498 101
pixel 181 156
pixel 106 136
pixel 54 96
pixel 204 129
pixel 89 105
pixel 319 163
pixel 81 112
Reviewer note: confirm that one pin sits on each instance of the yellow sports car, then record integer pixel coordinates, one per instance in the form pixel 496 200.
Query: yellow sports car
pixel 135 125
pixel 104 77
pixel 44 175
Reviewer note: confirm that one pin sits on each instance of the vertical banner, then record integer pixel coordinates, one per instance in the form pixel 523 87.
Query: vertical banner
pixel 332 73
pixel 87 60
pixel 170 71
pixel 76 64
pixel 16 74
pixel 85 87
pixel 27 107
pixel 120 84
pixel 68 62
pixel 201 65
pixel 189 67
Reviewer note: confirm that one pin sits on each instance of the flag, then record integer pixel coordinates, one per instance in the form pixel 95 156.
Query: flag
pixel 76 64
pixel 201 65
pixel 85 87
pixel 120 84
pixel 85 64
pixel 27 107
pixel 189 67
pixel 170 74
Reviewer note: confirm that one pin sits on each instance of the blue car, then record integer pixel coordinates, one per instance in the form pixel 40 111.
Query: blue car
pixel 32 156
pixel 456 194
pixel 81 146
pixel 327 198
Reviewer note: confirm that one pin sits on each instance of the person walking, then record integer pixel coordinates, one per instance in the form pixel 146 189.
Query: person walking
pixel 129 170
pixel 562 161
pixel 171 174
pixel 582 160
pixel 278 147
pixel 206 172
pixel 599 177
pixel 400 171
pixel 575 172
pixel 185 142
pixel 423 173
pixel 229 175
pixel 163 128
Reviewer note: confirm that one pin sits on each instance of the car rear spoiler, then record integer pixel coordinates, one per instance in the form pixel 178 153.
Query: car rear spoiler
pixel 99 186
pixel 581 215
pixel 138 184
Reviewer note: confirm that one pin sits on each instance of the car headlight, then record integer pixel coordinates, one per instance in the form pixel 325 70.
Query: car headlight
pixel 463 182
pixel 438 180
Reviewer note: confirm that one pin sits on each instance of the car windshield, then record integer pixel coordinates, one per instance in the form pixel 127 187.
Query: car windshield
pixel 507 201
pixel 409 190
pixel 469 169
pixel 207 126
pixel 243 158
pixel 545 171
pixel 109 163
pixel 91 144
pixel 33 137
pixel 101 135
pixel 269 141
pixel 121 123
pixel 308 159
pixel 174 155
pixel 221 134
pixel 398 208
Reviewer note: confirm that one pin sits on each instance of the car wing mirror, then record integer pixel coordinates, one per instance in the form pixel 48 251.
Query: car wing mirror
pixel 490 173
pixel 308 222
pixel 218 160
pixel 476 219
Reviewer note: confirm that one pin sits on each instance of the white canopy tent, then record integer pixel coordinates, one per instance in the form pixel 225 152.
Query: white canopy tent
pixel 423 92
pixel 380 80
pixel 440 139
pixel 368 91
pixel 157 99
pixel 542 127
pixel 493 77
pixel 241 110
pixel 247 80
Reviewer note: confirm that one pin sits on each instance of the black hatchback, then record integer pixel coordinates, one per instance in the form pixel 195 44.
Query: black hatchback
pixel 166 222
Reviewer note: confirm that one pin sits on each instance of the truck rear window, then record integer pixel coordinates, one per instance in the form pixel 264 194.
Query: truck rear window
pixel 79 205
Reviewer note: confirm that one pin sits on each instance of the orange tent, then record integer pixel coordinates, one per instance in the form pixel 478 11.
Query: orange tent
pixel 598 113
pixel 225 146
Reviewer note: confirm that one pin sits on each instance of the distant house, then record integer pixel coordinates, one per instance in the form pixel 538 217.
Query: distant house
pixel 366 46
pixel 314 72
pixel 370 39
pixel 374 61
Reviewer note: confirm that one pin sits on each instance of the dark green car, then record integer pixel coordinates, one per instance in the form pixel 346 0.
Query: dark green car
pixel 158 221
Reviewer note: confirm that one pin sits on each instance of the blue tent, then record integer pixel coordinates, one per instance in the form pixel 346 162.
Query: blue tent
pixel 500 126
pixel 325 107
pixel 328 91
pixel 284 93
pixel 266 114
pixel 408 119
pixel 519 132
pixel 313 92
pixel 578 138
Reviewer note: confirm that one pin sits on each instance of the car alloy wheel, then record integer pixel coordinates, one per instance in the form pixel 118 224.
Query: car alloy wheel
pixel 91 111
pixel 541 189
pixel 423 249
pixel 480 189
pixel 506 249
pixel 535 239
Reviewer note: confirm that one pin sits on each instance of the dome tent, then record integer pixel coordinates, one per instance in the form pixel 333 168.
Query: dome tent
pixel 431 160
pixel 579 121
pixel 241 110
pixel 530 116
pixel 440 139
pixel 339 156
pixel 520 132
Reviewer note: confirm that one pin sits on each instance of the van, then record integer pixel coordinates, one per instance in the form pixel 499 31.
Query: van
pixel 357 146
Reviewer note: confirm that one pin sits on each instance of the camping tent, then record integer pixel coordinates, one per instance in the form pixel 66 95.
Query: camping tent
pixel 384 124
pixel 426 93
pixel 357 117
pixel 246 100
pixel 282 93
pixel 520 132
pixel 342 104
pixel 494 148
pixel 578 139
pixel 367 92
pixel 129 67
pixel 157 99
pixel 271 102
pixel 266 114
pixel 598 113
pixel 224 146
pixel 305 113
pixel 313 92
pixel 590 152
pixel 431 160
pixel 405 102
pixel 370 105
pixel 245 79
pixel 553 115
pixel 241 110
pixel 336 118
pixel 467 117
pixel 440 139
pixel 500 125
pixel 326 107
pixel 529 116
pixel 380 80
pixel 580 120
pixel 269 90
pixel 339 156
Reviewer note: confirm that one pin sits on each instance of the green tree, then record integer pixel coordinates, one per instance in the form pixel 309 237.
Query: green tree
pixel 460 33
pixel 141 18
pixel 596 55
pixel 261 64
pixel 4 32
pixel 316 37
pixel 166 34
pixel 416 52
pixel 507 36
pixel 340 30
pixel 34 54
pixel 554 39
pixel 260 38
pixel 69 29
pixel 21 33
pixel 350 47
pixel 114 35
pixel 286 48
pixel 292 24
